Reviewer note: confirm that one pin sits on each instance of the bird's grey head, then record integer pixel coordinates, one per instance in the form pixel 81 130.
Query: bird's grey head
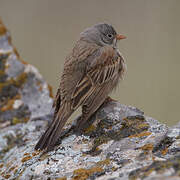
pixel 102 34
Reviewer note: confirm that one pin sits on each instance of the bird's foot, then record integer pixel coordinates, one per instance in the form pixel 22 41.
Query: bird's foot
pixel 79 126
pixel 108 99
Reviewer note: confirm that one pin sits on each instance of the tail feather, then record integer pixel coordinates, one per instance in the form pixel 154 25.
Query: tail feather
pixel 51 135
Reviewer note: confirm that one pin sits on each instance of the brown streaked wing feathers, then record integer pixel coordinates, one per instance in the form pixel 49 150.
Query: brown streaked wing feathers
pixel 94 101
pixel 70 77
pixel 51 135
pixel 102 70
pixel 57 102
pixel 105 68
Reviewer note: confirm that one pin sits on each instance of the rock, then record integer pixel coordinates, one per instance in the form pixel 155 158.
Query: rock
pixel 23 92
pixel 119 142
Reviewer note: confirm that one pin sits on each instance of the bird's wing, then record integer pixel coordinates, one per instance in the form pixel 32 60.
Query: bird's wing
pixel 100 70
pixel 74 70
pixel 57 102
pixel 105 67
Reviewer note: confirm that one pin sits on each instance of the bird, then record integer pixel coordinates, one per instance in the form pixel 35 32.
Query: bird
pixel 91 71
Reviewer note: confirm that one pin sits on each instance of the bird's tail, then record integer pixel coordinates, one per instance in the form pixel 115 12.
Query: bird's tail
pixel 51 135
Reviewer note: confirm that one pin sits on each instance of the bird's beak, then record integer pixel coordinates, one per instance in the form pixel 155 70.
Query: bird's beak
pixel 119 37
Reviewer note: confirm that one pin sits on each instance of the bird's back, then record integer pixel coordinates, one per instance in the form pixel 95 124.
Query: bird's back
pixel 75 67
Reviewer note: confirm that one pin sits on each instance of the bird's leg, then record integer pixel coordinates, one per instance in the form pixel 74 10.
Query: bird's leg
pixel 82 121
pixel 108 99
pixel 80 125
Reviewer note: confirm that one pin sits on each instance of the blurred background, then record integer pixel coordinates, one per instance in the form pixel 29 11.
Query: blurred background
pixel 44 32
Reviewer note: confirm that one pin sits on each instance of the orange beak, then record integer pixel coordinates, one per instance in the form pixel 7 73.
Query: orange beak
pixel 119 37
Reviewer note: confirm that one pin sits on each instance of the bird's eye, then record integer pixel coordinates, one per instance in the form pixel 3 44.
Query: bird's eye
pixel 109 36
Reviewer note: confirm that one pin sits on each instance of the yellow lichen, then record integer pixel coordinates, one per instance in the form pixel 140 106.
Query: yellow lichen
pixel 62 178
pixel 1 73
pixel 11 169
pixel 26 119
pixel 24 62
pixel 26 154
pixel 90 129
pixel 164 151
pixel 153 158
pixel 4 84
pixel 97 149
pixel 104 162
pixel 20 79
pixel 10 102
pixel 38 83
pixel 128 122
pixel 144 133
pixel 16 120
pixel 143 125
pixel 35 153
pixel 83 174
pixel 16 52
pixel 24 159
pixel 50 91
pixel 8 106
pixel 147 147
pixel 7 176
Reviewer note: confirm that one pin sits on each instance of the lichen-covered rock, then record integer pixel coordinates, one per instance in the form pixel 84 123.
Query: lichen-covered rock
pixel 119 142
pixel 23 92
pixel 122 143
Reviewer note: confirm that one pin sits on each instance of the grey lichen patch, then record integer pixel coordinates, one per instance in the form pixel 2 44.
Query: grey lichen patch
pixel 109 129
pixel 8 105
pixel 134 126
pixel 11 141
pixel 162 148
pixel 36 96
pixel 15 116
pixel 15 67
